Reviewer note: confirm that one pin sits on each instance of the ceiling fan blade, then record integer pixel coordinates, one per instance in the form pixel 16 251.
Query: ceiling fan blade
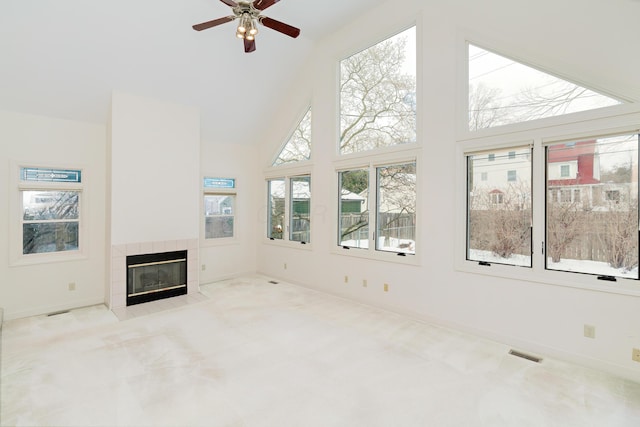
pixel 229 3
pixel 263 4
pixel 249 45
pixel 209 24
pixel 280 26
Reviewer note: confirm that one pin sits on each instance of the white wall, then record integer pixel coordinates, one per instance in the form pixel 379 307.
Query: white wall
pixel 155 153
pixel 590 40
pixel 34 289
pixel 228 259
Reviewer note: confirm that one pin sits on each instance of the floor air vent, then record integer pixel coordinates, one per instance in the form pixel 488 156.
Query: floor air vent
pixel 55 313
pixel 525 356
pixel 273 282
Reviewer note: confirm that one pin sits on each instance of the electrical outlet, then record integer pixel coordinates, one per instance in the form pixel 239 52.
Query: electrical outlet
pixel 346 279
pixel 72 286
pixel 635 355
pixel 386 287
pixel 285 265
pixel 204 267
pixel 589 331
pixel 364 283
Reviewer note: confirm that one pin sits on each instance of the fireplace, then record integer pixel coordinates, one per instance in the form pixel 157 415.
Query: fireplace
pixel 156 276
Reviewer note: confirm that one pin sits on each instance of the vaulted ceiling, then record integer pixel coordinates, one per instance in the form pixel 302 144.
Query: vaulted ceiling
pixel 63 58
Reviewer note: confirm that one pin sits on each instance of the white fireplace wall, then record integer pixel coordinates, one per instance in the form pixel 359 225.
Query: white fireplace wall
pixel 155 177
pixel 155 184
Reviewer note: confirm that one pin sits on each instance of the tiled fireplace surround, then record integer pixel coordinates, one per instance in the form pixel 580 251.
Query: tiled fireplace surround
pixel 119 255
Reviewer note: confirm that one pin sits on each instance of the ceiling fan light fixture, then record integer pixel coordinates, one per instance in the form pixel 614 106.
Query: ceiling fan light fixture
pixel 245 23
pixel 248 14
pixel 253 29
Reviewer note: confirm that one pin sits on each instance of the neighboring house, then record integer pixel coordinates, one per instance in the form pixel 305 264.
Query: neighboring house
pixel 502 180
pixel 574 177
pixel 352 202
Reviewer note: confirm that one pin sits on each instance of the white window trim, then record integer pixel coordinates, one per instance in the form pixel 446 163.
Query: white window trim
pixel 290 134
pixel 371 161
pixel 287 172
pixel 16 255
pixel 627 120
pixel 501 47
pixel 220 241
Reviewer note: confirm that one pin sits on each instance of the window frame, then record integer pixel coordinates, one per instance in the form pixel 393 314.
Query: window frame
pixel 16 221
pixel 290 134
pixel 502 47
pixel 371 162
pixel 361 48
pixel 613 121
pixel 286 172
pixel 211 191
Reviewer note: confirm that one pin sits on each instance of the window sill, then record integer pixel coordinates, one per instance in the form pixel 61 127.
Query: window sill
pixel 391 257
pixel 47 258
pixel 582 281
pixel 288 244
pixel 223 241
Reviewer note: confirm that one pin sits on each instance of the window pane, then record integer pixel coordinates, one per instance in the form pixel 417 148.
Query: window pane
pixel 276 209
pixel 49 205
pixel 300 227
pixel 298 147
pixel 592 215
pixel 502 91
pixel 378 95
pixel 499 208
pixel 396 210
pixel 49 237
pixel 219 215
pixel 354 208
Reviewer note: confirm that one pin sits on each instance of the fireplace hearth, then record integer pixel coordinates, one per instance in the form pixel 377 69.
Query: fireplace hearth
pixel 156 276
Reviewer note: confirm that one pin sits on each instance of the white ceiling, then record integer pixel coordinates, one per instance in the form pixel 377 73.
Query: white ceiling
pixel 63 58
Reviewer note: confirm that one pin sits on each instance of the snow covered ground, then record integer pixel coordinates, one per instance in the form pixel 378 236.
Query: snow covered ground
pixel 579 266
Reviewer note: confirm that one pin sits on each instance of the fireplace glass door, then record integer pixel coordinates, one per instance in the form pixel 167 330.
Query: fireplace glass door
pixel 156 276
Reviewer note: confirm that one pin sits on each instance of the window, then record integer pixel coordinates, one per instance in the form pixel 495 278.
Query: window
pixel 512 155
pixel 499 211
pixel 275 220
pixel 587 235
pixel 565 171
pixel 612 196
pixel 50 221
pixel 300 223
pixel 298 146
pixel 497 197
pixel 50 211
pixel 219 215
pixel 378 95
pixel 503 91
pixel 588 224
pixel 353 215
pixel 395 208
pixel 219 204
pixel 491 157
pixel 289 209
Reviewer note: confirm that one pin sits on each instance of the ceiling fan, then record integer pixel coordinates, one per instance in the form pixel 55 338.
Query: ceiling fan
pixel 248 12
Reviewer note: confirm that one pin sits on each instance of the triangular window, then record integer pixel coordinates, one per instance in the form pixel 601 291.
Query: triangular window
pixel 298 147
pixel 503 91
